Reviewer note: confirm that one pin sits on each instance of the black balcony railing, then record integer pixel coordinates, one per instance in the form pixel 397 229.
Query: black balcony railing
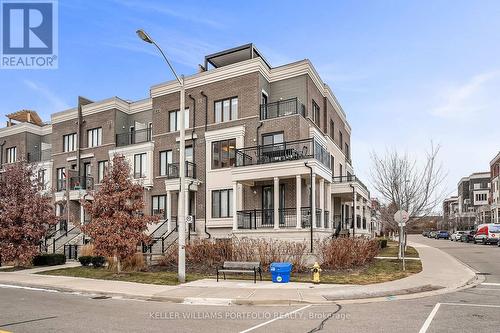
pixel 282 108
pixel 264 218
pixel 39 156
pixel 132 137
pixel 348 179
pixel 81 183
pixel 279 152
pixel 173 170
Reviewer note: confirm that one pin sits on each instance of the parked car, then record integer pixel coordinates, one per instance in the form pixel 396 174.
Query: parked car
pixel 425 233
pixel 487 233
pixel 456 236
pixel 442 234
pixel 467 236
pixel 432 234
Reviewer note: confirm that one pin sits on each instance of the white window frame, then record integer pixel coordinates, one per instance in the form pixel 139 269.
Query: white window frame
pixel 166 157
pixel 94 137
pixel 69 142
pixel 102 168
pixel 140 165
pixel 177 120
pixel 221 113
pixel 11 154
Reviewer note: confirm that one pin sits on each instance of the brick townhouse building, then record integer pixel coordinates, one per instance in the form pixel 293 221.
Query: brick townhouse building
pixel 473 198
pixel 263 145
pixel 495 189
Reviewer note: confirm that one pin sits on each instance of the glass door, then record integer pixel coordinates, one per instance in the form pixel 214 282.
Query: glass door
pixel 267 205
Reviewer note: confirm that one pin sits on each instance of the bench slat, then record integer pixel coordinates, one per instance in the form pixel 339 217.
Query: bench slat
pixel 240 264
pixel 235 271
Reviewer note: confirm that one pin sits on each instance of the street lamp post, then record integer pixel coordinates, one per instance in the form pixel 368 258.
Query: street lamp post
pixel 182 164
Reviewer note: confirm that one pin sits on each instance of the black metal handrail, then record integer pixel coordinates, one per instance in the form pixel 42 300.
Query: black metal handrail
pixel 348 179
pixel 66 233
pixel 264 218
pixel 173 170
pixel 282 108
pixel 81 183
pixel 132 137
pixel 162 238
pixel 285 151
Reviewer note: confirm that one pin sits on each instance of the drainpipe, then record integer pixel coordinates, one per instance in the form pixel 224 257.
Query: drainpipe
pixel 204 167
pixel 257 132
pixel 1 152
pixel 194 123
pixel 310 205
pixel 354 221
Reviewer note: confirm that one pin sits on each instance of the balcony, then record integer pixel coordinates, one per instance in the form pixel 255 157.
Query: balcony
pixel 133 137
pixel 282 108
pixel 76 183
pixel 39 156
pixel 264 218
pixel 173 170
pixel 279 152
pixel 348 179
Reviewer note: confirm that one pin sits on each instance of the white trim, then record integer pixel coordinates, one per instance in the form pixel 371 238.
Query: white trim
pixel 225 133
pixel 25 127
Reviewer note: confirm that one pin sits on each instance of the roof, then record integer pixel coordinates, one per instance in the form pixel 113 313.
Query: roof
pixel 26 116
pixel 234 55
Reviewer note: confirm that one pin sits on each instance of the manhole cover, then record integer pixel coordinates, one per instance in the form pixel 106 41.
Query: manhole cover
pixel 101 297
pixel 481 273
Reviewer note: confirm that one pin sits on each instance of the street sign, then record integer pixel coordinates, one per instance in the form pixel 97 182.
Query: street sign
pixel 401 216
pixel 189 219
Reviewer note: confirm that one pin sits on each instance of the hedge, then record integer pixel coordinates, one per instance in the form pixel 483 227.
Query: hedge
pixel 85 260
pixel 98 261
pixel 49 259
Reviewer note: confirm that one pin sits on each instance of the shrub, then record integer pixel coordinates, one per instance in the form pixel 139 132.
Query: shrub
pixel 86 250
pixel 85 260
pixel 382 242
pixel 133 264
pixel 49 259
pixel 98 261
pixel 344 253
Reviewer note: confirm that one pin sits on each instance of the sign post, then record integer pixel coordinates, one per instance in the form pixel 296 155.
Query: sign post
pixel 401 217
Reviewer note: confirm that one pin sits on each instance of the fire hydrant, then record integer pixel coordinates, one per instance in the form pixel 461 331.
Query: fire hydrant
pixel 316 269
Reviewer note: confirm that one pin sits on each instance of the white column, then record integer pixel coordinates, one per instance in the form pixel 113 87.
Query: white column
pixel 169 211
pixel 82 215
pixel 235 209
pixel 322 201
pixel 298 203
pixel 313 203
pixel 329 204
pixel 276 202
pixel 240 197
pixel 354 218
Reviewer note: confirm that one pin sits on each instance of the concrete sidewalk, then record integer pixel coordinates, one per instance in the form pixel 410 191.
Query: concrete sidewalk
pixel 441 273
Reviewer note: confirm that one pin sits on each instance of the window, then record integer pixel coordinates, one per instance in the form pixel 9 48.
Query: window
pixel 315 109
pixel 159 204
pixel 189 154
pixel 94 137
pixel 341 140
pixel 42 178
pixel 69 142
pixel 223 153
pixel 61 178
pixel 340 170
pixel 165 160
pixel 175 120
pixel 332 129
pixel 273 138
pixel 140 165
pixel 347 152
pixel 102 168
pixel 226 110
pixel 222 203
pixel 11 154
pixel 332 164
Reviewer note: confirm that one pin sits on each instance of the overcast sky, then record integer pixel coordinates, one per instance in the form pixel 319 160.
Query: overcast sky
pixel 405 72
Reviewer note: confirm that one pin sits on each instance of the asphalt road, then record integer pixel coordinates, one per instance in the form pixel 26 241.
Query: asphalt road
pixel 471 310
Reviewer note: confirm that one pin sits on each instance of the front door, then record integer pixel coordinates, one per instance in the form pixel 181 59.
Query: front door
pixel 268 204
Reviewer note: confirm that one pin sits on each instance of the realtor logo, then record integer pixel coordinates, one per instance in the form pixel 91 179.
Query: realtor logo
pixel 29 34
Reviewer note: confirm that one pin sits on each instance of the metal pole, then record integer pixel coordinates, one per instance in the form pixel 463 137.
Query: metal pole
pixel 181 202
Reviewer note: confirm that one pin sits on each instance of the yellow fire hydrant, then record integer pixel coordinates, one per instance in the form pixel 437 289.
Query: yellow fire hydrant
pixel 316 269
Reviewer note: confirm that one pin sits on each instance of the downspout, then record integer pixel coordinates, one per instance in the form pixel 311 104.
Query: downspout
pixel 257 132
pixel 1 152
pixel 204 167
pixel 310 205
pixel 194 124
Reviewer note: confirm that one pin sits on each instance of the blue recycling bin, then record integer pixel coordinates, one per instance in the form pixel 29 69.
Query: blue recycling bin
pixel 280 271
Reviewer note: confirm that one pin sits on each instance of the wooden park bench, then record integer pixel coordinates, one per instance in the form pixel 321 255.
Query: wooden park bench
pixel 240 267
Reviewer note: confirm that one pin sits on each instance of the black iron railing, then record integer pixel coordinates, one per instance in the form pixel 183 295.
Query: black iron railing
pixel 173 170
pixel 264 218
pixel 81 183
pixel 285 151
pixel 348 179
pixel 39 156
pixel 282 108
pixel 132 137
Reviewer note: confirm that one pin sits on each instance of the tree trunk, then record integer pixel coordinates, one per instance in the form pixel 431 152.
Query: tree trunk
pixel 118 264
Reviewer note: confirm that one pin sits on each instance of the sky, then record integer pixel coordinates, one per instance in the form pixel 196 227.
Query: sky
pixel 407 73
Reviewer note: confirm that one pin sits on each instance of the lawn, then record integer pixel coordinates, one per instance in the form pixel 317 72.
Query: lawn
pixel 380 270
pixel 392 251
pixel 13 269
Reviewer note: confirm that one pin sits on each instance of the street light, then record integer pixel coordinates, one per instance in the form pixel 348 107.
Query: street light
pixel 182 164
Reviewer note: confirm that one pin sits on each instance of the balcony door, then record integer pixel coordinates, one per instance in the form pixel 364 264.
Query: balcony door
pixel 272 149
pixel 268 204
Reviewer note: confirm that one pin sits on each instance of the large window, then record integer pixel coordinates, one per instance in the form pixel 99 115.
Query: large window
pixel 140 165
pixel 102 168
pixel 222 203
pixel 175 120
pixel 42 178
pixel 11 154
pixel 316 113
pixel 61 179
pixel 94 137
pixel 223 153
pixel 165 160
pixel 69 142
pixel 347 152
pixel 226 110
pixel 159 205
